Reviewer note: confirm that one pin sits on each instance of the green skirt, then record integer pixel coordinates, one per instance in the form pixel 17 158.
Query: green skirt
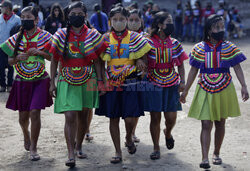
pixel 75 98
pixel 214 107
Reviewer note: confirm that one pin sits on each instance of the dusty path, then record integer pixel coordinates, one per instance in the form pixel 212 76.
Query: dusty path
pixel 185 156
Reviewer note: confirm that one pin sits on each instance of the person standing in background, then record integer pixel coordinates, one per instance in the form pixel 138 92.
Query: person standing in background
pixel 197 21
pixel 188 17
pixel 8 20
pixel 99 20
pixel 56 19
pixel 107 5
pixel 208 11
pixel 223 11
pixel 178 20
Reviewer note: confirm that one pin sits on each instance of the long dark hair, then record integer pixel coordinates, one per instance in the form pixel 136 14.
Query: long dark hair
pixel 138 12
pixel 159 17
pixel 71 6
pixel 34 12
pixel 211 20
pixel 198 3
pixel 61 13
pixel 97 9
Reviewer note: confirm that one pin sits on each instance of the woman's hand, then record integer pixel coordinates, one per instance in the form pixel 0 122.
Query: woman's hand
pixel 141 65
pixel 183 97
pixel 244 93
pixel 53 90
pixel 22 57
pixel 33 52
pixel 101 88
pixel 181 87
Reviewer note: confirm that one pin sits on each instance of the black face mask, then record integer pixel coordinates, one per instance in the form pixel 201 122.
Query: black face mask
pixel 28 24
pixel 77 21
pixel 169 30
pixel 218 36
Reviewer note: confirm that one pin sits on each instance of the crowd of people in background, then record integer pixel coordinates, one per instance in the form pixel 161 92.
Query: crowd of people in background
pixel 121 66
pixel 189 20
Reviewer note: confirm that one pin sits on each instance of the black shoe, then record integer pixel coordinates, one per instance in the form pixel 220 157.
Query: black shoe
pixel 205 164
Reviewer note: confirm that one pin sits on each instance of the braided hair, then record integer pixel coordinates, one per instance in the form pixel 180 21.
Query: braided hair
pixel 34 12
pixel 71 6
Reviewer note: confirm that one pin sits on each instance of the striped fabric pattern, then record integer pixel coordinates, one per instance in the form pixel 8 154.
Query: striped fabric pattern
pixel 138 46
pixel 144 34
pixel 166 77
pixel 77 75
pixel 116 75
pixel 209 59
pixel 198 52
pixel 229 53
pixel 9 45
pixel 92 43
pixel 215 82
pixel 34 66
pixel 176 49
pixel 167 55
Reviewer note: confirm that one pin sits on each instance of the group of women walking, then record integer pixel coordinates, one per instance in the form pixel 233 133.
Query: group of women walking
pixel 122 74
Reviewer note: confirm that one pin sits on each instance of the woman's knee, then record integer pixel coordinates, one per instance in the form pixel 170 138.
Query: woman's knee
pixel 70 117
pixel 114 121
pixel 35 115
pixel 155 117
pixel 220 124
pixel 207 125
pixel 23 117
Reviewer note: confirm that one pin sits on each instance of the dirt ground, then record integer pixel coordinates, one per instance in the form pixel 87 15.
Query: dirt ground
pixel 186 155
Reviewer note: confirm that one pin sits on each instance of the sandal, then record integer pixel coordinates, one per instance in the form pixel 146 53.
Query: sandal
pixel 89 137
pixel 217 160
pixel 70 163
pixel 205 164
pixel 34 157
pixel 155 155
pixel 81 155
pixel 131 148
pixel 116 160
pixel 170 143
pixel 135 139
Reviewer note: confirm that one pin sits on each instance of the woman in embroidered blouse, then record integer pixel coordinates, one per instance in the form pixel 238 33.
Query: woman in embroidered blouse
pixel 77 48
pixel 215 97
pixel 123 58
pixel 30 91
pixel 164 82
